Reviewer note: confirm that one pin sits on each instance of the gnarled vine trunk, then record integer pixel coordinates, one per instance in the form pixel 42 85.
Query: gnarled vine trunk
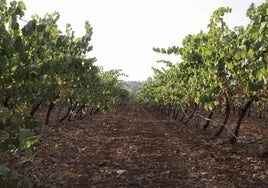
pixel 227 115
pixel 208 121
pixel 50 108
pixel 242 114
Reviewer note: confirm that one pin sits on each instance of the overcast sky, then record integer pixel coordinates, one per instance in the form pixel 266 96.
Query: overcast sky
pixel 125 31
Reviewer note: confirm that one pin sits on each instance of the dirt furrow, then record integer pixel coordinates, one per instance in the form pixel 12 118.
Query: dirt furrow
pixel 137 147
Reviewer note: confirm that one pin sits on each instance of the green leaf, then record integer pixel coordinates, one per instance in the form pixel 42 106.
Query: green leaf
pixel 20 9
pixel 26 139
pixel 254 36
pixel 14 68
pixel 263 27
pixel 29 28
pixel 237 56
pixel 18 44
pixel 41 27
pixel 14 24
pixel 22 5
pixel 250 53
pixel 230 65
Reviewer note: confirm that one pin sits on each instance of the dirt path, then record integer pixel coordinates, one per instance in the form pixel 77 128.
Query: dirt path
pixel 137 147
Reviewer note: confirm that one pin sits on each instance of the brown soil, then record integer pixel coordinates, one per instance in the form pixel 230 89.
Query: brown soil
pixel 138 147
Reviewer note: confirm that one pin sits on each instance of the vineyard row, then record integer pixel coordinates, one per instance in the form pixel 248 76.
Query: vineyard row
pixel 221 68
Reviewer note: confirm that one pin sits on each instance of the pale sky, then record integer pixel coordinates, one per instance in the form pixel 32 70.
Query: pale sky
pixel 125 31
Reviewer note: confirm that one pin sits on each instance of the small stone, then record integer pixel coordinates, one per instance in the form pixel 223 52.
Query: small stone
pixel 121 172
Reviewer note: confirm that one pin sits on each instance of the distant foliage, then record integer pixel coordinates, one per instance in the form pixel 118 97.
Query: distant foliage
pixel 134 86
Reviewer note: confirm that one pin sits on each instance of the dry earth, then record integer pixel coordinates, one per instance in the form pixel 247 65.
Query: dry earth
pixel 138 147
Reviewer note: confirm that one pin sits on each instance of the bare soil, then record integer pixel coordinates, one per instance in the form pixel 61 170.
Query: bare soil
pixel 138 147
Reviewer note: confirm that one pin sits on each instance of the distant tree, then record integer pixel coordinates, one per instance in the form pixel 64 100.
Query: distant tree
pixel 133 86
pixel 149 79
